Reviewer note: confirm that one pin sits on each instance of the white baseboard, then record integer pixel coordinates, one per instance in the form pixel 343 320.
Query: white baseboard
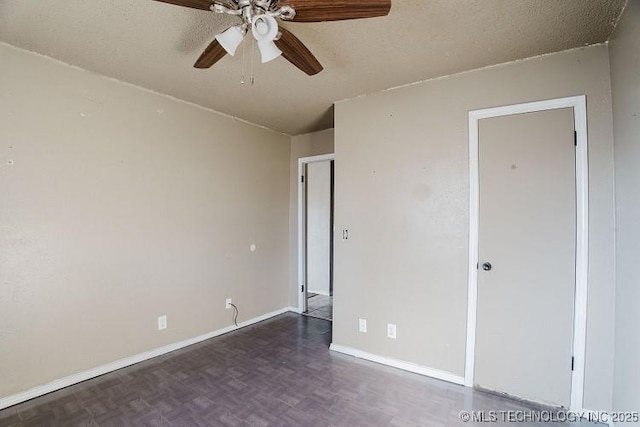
pixel 127 361
pixel 406 366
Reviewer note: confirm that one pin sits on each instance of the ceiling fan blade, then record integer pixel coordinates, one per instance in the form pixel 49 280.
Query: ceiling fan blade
pixel 212 54
pixel 297 53
pixel 196 4
pixel 336 10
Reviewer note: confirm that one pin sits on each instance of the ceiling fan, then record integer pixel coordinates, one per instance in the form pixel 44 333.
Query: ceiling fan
pixel 260 17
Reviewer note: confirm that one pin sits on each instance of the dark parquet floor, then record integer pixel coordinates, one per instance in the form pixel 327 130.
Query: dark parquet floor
pixel 276 373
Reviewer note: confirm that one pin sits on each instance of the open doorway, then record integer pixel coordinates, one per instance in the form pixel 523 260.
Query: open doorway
pixel 315 240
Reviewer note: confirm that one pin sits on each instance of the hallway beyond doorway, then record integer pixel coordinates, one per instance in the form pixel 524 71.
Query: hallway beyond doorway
pixel 320 306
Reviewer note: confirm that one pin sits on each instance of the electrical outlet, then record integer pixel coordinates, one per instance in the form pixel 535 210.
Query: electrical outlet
pixel 391 330
pixel 227 304
pixel 362 325
pixel 162 322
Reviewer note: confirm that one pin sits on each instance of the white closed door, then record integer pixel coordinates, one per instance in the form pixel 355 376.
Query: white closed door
pixel 527 244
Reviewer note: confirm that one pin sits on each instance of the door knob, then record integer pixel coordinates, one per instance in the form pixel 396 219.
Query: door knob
pixel 487 266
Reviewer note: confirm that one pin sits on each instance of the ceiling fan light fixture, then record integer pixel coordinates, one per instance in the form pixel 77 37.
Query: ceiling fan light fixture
pixel 269 51
pixel 264 28
pixel 262 18
pixel 231 38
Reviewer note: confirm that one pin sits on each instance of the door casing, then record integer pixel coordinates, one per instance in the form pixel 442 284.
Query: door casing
pixel 302 244
pixel 578 103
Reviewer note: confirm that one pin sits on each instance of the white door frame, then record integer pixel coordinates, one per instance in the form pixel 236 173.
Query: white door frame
pixel 302 229
pixel 578 103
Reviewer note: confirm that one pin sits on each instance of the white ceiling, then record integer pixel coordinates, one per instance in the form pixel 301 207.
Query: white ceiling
pixel 154 45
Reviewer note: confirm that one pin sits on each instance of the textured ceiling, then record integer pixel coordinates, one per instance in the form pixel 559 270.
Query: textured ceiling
pixel 154 45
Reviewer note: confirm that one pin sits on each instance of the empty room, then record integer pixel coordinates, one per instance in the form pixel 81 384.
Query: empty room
pixel 319 212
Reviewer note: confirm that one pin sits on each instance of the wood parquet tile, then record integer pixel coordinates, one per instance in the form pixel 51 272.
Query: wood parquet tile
pixel 276 373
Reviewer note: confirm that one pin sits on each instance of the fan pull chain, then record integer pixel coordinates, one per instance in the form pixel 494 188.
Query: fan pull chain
pixel 253 51
pixel 242 75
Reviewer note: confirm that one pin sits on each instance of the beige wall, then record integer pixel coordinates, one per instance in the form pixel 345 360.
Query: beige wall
pixel 402 191
pixel 624 50
pixel 311 144
pixel 123 205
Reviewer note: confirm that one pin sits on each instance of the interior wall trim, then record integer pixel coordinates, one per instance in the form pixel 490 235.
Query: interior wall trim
pixel 127 361
pixel 400 364
pixel 302 230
